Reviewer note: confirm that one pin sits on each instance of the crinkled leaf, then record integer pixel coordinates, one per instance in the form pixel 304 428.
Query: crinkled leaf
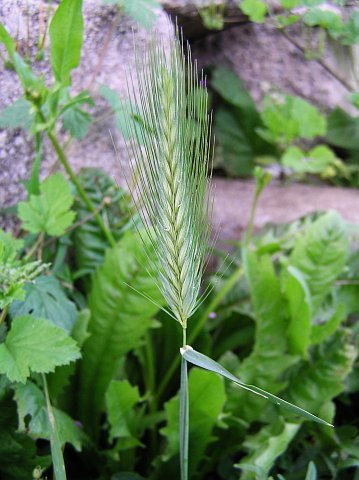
pixel 46 298
pixel 320 255
pixel 31 403
pixel 50 211
pixel 268 358
pixel 206 401
pixel 17 115
pixel 120 398
pixel 322 377
pixel 119 318
pixel 66 31
pixel 35 344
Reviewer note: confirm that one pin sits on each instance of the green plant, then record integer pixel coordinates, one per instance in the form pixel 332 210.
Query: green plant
pixel 174 202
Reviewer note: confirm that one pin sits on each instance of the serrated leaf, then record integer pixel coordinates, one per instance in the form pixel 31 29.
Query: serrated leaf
pixel 297 292
pixel 46 298
pixel 322 331
pixel 121 397
pixel 17 115
pixel 320 255
pixel 255 9
pixel 34 344
pixel 264 447
pixel 119 318
pixel 31 403
pixel 321 378
pixel 17 450
pixel 50 211
pixel 143 11
pixel 207 363
pixel 206 401
pixel 318 17
pixel 66 31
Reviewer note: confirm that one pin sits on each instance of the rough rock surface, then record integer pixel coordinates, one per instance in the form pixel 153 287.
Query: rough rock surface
pixel 96 150
pixel 279 203
pixel 264 58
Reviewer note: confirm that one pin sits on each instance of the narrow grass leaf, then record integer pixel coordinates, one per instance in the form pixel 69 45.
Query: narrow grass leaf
pixel 207 363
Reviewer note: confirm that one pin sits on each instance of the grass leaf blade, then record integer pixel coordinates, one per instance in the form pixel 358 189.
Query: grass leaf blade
pixel 207 363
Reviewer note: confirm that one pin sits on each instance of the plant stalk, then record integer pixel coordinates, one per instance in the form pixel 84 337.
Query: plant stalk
pixel 232 280
pixel 4 314
pixel 81 191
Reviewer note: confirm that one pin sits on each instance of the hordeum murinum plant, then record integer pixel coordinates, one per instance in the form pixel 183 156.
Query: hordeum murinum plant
pixel 172 155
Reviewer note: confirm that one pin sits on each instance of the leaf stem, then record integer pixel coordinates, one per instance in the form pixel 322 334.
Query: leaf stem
pixel 81 191
pixel 56 452
pixel 4 314
pixel 231 281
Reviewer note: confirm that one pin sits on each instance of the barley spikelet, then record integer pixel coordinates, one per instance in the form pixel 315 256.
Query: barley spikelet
pixel 171 168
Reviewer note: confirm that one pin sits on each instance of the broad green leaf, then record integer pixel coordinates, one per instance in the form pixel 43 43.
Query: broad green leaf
pixel 50 211
pixel 80 330
pixel 66 31
pixel 17 115
pixel 255 9
pixel 289 3
pixel 297 293
pixel 119 318
pixel 320 255
pixel 268 359
pixel 18 451
pixel 6 40
pixel 206 401
pixel 265 447
pixel 207 363
pixel 89 241
pixel 331 21
pixel 120 398
pixel 31 403
pixel 231 88
pixel 321 378
pixel 351 29
pixel 343 130
pixel 36 345
pixel 316 161
pixel 143 11
pixel 121 108
pixel 77 122
pixel 46 298
pixel 287 117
